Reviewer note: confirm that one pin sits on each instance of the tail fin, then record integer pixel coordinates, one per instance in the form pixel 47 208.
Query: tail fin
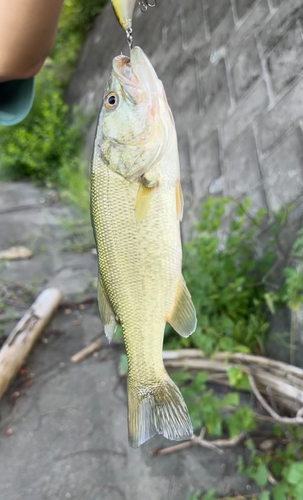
pixel 159 409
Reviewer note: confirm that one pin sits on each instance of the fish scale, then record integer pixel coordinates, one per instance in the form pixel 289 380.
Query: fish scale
pixel 126 255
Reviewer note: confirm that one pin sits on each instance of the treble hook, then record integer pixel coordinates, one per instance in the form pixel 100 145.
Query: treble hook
pixel 144 4
pixel 129 36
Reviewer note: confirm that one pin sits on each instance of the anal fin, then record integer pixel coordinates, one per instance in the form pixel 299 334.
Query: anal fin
pixel 183 317
pixel 106 312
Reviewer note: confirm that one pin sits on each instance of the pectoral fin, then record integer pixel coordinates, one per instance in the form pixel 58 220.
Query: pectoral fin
pixel 143 200
pixel 183 317
pixel 179 200
pixel 106 312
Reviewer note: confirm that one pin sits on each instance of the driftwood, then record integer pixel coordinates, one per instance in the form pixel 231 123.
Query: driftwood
pixel 237 357
pixel 87 351
pixel 216 445
pixel 15 253
pixel 21 340
pixel 284 381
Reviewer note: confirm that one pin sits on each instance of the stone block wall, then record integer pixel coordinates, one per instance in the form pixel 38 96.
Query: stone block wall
pixel 232 70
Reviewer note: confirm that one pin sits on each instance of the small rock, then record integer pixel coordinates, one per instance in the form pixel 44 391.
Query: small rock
pixel 67 311
pixel 9 432
pixel 267 445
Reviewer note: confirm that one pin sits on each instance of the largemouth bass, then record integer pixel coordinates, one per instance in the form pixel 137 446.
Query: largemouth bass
pixel 137 205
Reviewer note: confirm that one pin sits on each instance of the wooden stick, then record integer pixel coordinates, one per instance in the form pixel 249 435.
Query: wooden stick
pixel 230 356
pixel 87 351
pixel 282 420
pixel 171 449
pixel 200 441
pixel 285 381
pixel 21 340
pixel 280 384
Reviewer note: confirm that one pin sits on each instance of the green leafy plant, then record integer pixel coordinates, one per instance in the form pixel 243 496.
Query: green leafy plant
pixel 209 495
pixel 45 146
pixel 292 291
pixel 227 279
pixel 222 272
pixel 194 496
pixel 206 409
pixel 45 141
pixel 278 472
pixel 76 19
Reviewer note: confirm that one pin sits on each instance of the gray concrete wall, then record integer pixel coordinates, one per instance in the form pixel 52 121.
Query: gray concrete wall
pixel 232 70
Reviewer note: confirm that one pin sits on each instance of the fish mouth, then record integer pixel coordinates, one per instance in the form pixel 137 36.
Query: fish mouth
pixel 135 74
pixel 136 82
pixel 122 69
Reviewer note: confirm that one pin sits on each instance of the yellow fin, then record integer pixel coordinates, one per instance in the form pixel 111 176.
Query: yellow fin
pixel 179 200
pixel 143 200
pixel 106 312
pixel 183 317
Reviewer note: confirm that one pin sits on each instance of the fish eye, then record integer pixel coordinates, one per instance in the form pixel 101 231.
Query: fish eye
pixel 111 101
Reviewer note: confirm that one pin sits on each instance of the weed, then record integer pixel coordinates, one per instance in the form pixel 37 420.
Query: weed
pixel 224 275
pixel 233 298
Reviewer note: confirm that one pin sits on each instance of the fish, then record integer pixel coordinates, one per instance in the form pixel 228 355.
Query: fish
pixel 136 207
pixel 124 12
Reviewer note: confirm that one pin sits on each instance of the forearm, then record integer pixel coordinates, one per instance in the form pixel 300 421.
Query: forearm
pixel 27 32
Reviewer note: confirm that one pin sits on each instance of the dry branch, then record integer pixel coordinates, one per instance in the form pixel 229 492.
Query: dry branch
pixel 16 253
pixel 238 357
pixel 200 441
pixel 21 340
pixel 285 381
pixel 87 351
pixel 282 420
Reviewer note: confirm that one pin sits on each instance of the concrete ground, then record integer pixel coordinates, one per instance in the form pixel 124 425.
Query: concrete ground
pixel 68 429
